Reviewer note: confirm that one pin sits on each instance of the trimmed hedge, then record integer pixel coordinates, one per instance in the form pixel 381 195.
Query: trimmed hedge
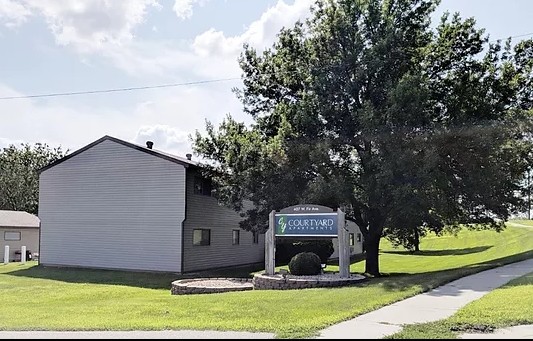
pixel 305 263
pixel 288 248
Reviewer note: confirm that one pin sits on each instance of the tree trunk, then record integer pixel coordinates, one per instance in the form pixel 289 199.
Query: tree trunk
pixel 372 254
pixel 417 240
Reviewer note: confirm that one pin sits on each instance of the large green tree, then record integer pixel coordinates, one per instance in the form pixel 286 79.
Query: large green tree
pixel 19 181
pixel 366 107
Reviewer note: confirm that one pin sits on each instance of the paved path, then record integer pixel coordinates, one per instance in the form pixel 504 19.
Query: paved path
pixel 164 334
pixel 434 305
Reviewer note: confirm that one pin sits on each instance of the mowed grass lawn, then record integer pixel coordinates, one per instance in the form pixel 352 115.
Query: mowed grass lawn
pixel 37 298
pixel 507 306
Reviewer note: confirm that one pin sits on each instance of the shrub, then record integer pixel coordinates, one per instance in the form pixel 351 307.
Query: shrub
pixel 288 248
pixel 305 263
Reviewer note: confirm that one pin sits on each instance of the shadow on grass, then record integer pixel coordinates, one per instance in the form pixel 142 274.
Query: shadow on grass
pixel 432 279
pixel 450 252
pixel 393 281
pixel 147 280
pixel 353 259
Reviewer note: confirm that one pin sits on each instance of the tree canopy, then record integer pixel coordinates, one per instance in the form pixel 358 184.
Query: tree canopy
pixel 365 107
pixel 19 181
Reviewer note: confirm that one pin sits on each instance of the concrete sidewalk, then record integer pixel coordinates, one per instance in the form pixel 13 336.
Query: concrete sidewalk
pixel 434 305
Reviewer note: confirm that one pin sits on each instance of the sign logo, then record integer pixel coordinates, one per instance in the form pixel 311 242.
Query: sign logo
pixel 282 224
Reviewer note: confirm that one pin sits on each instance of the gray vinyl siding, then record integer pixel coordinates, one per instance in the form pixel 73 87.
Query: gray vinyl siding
pixel 204 212
pixel 355 249
pixel 114 207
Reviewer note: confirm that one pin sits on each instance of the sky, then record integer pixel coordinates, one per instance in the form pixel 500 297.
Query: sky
pixel 56 46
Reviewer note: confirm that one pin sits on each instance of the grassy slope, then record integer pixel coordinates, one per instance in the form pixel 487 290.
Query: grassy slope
pixel 507 306
pixel 63 299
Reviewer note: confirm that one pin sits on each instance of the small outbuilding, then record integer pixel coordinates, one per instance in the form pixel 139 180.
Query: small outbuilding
pixel 17 229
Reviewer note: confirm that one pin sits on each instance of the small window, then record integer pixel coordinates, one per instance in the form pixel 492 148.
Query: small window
pixel 11 235
pixel 201 237
pixel 236 237
pixel 202 186
pixel 359 237
pixel 256 237
pixel 352 239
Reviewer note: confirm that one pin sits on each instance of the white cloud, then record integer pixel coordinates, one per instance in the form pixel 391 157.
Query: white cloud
pixel 13 13
pixel 105 28
pixel 8 142
pixel 260 34
pixel 91 25
pixel 171 61
pixel 166 116
pixel 183 8
pixel 56 123
pixel 212 54
pixel 165 138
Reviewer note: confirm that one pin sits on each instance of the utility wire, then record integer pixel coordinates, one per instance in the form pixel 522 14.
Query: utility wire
pixel 120 89
pixel 518 36
pixel 58 94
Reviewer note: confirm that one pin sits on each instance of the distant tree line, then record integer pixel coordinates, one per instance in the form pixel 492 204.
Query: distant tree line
pixel 19 180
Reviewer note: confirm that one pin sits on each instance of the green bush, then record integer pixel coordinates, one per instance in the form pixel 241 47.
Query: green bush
pixel 287 248
pixel 305 263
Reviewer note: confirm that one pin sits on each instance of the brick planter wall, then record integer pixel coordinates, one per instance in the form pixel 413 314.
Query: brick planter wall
pixel 277 282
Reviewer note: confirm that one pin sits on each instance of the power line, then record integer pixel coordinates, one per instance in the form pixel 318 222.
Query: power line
pixel 518 36
pixel 120 89
pixel 74 93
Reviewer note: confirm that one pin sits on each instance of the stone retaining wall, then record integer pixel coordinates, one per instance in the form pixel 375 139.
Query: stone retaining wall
pixel 187 286
pixel 278 282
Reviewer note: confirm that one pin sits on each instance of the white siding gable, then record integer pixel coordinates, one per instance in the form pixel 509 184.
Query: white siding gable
pixel 112 206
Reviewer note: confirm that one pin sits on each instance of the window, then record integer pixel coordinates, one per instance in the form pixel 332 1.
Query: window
pixel 202 186
pixel 359 237
pixel 352 239
pixel 236 237
pixel 201 237
pixel 256 237
pixel 11 235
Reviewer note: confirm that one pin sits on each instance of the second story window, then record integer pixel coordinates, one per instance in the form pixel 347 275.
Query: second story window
pixel 202 186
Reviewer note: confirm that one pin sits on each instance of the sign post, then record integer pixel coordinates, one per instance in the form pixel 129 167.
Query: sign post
pixel 344 249
pixel 270 246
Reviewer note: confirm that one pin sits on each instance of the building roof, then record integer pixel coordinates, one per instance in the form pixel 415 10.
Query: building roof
pixel 172 158
pixel 18 219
